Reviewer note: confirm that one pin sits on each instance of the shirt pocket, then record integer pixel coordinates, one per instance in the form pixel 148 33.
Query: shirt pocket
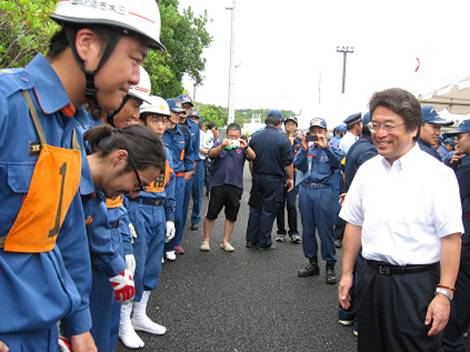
pixel 19 177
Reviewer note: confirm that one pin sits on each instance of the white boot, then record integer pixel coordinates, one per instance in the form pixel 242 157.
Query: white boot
pixel 141 321
pixel 127 334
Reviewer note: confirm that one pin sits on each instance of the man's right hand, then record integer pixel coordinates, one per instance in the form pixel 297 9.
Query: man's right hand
pixel 344 286
pixel 83 343
pixel 3 347
pixel 123 286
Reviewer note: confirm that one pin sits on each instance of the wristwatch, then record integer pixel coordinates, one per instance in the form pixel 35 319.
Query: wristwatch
pixel 448 293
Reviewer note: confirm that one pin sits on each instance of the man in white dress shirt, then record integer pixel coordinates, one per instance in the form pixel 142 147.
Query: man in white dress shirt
pixel 403 208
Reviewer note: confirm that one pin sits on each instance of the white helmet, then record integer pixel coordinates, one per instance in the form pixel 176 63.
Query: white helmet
pixel 142 89
pixel 142 16
pixel 156 105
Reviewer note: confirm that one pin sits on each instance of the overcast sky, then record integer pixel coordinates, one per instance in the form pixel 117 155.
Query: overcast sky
pixel 286 51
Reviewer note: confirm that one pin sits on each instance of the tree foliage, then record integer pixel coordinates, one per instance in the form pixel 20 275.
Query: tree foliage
pixel 26 30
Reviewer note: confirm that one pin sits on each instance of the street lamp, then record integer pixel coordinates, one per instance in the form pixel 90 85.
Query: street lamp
pixel 231 69
pixel 345 50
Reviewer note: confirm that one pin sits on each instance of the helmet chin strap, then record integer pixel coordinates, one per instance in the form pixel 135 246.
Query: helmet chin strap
pixel 110 116
pixel 91 90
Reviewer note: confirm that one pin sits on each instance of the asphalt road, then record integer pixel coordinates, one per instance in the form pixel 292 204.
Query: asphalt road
pixel 244 301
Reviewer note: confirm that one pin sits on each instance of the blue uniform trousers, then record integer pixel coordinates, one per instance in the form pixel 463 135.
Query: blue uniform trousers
pixel 105 310
pixel 317 213
pixel 188 189
pixel 460 309
pixel 198 192
pixel 180 215
pixel 149 222
pixel 266 197
pixel 291 201
pixel 39 340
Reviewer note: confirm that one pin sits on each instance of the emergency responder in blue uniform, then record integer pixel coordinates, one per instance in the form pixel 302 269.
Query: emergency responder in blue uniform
pixel 316 163
pixel 152 213
pixel 430 129
pixel 290 198
pixel 361 151
pixel 193 150
pixel 199 175
pixel 338 182
pixel 338 133
pixel 272 171
pixel 460 310
pixel 354 129
pixel 36 109
pixel 177 141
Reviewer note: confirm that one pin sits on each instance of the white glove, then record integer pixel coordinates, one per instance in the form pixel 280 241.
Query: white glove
pixel 123 286
pixel 170 231
pixel 132 231
pixel 130 261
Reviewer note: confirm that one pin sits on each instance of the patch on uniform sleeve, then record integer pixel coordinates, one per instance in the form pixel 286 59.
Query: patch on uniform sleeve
pixel 34 148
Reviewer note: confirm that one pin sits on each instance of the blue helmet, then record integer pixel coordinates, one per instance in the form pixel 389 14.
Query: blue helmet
pixel 185 99
pixel 175 105
pixel 366 118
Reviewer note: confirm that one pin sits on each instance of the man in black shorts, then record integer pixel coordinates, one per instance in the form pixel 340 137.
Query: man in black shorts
pixel 227 184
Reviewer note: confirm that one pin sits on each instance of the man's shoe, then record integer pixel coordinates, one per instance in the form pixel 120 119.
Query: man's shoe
pixel 310 270
pixel 179 249
pixel 195 227
pixel 330 275
pixel 170 256
pixel 267 249
pixel 345 322
pixel 205 246
pixel 338 244
pixel 250 244
pixel 280 238
pixel 355 332
pixel 295 238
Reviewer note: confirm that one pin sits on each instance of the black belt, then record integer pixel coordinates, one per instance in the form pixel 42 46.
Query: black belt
pixel 148 201
pixel 388 269
pixel 113 224
pixel 314 185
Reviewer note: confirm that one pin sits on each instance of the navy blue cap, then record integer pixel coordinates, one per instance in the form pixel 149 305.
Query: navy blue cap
pixel 194 113
pixel 430 115
pixel 352 119
pixel 185 99
pixel 175 105
pixel 464 127
pixel 274 113
pixel 449 141
pixel 293 119
pixel 366 118
pixel 341 128
pixel 318 122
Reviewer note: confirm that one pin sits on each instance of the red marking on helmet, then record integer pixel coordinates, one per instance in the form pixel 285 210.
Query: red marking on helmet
pixel 145 90
pixel 145 18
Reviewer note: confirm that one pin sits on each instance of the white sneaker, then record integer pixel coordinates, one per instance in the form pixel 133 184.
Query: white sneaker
pixel 171 256
pixel 345 322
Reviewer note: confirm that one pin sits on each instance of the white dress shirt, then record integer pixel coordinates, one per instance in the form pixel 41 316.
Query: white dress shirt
pixel 206 142
pixel 347 141
pixel 404 209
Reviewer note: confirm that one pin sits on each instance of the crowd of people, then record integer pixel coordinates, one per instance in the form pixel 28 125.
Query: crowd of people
pixel 97 175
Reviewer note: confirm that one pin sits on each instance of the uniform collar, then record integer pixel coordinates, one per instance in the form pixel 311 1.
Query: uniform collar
pixel 411 158
pixel 48 88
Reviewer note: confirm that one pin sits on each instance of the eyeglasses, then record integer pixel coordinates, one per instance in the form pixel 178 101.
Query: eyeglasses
pixel 388 127
pixel 139 185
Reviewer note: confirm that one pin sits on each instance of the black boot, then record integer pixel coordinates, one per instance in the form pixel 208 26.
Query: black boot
pixel 330 273
pixel 311 269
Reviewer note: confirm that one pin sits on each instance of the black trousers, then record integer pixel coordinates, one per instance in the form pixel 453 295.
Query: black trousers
pixel 460 310
pixel 391 310
pixel 290 198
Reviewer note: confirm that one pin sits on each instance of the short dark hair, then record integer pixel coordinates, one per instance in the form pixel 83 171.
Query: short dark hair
pixel 401 102
pixel 144 147
pixel 272 121
pixel 234 127
pixel 59 41
pixel 211 125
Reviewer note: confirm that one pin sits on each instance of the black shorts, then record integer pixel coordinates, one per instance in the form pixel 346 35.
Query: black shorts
pixel 228 196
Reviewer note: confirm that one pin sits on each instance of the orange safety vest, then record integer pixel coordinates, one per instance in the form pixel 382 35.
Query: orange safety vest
pixel 54 183
pixel 158 185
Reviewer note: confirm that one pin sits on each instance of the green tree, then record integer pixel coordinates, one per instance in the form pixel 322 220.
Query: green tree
pixel 25 30
pixel 185 38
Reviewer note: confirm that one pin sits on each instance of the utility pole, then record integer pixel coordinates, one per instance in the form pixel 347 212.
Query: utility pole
pixel 231 70
pixel 345 50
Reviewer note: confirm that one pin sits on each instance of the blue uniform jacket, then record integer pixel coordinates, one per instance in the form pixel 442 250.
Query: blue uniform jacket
pixel 174 140
pixel 316 164
pixel 462 171
pixel 361 151
pixel 39 289
pixel 168 194
pixel 195 139
pixel 426 147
